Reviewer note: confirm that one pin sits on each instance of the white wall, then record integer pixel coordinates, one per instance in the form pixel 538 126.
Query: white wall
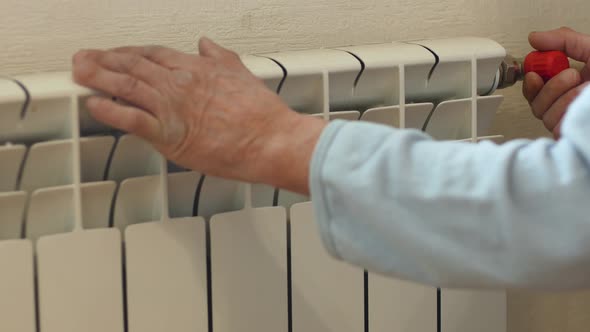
pixel 41 35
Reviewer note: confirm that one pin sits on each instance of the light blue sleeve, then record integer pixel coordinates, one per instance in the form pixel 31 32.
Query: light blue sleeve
pixel 452 214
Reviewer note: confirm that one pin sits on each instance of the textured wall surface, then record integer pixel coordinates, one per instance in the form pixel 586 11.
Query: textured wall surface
pixel 41 35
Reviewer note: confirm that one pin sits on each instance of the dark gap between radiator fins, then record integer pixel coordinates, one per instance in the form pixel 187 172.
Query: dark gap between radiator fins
pixel 207 253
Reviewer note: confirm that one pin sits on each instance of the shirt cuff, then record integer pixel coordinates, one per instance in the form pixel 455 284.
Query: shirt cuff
pixel 322 208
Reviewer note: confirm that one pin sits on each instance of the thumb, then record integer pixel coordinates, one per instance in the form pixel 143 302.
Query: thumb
pixel 208 48
pixel 576 45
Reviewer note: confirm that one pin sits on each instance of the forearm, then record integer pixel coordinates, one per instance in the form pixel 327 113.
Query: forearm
pixel 453 214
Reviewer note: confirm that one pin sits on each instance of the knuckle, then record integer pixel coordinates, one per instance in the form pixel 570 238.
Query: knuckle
pixel 131 61
pixel 128 87
pixel 568 78
pixel 564 82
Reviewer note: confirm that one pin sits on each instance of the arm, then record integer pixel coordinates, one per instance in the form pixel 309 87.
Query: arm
pixel 455 214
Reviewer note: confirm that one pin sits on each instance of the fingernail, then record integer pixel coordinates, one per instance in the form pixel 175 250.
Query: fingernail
pixel 80 56
pixel 80 64
pixel 80 71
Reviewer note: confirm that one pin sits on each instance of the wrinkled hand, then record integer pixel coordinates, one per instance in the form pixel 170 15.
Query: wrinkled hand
pixel 205 112
pixel 550 101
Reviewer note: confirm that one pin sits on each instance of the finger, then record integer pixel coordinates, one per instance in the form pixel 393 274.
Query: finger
pixel 134 65
pixel 532 85
pixel 552 117
pixel 209 48
pixel 576 45
pixel 555 88
pixel 126 118
pixel 160 55
pixel 89 73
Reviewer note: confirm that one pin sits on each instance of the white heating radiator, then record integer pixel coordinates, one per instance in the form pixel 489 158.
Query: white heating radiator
pixel 99 234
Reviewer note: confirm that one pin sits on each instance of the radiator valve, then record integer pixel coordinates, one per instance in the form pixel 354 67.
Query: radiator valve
pixel 546 64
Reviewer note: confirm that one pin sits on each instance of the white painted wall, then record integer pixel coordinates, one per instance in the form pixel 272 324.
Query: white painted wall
pixel 41 35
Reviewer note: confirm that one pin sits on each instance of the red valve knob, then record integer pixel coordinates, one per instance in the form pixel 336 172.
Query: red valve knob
pixel 546 64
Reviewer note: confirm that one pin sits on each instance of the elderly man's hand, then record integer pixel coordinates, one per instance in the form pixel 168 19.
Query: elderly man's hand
pixel 206 112
pixel 550 101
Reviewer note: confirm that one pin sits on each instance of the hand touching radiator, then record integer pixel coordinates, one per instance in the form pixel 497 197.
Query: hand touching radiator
pixel 206 112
